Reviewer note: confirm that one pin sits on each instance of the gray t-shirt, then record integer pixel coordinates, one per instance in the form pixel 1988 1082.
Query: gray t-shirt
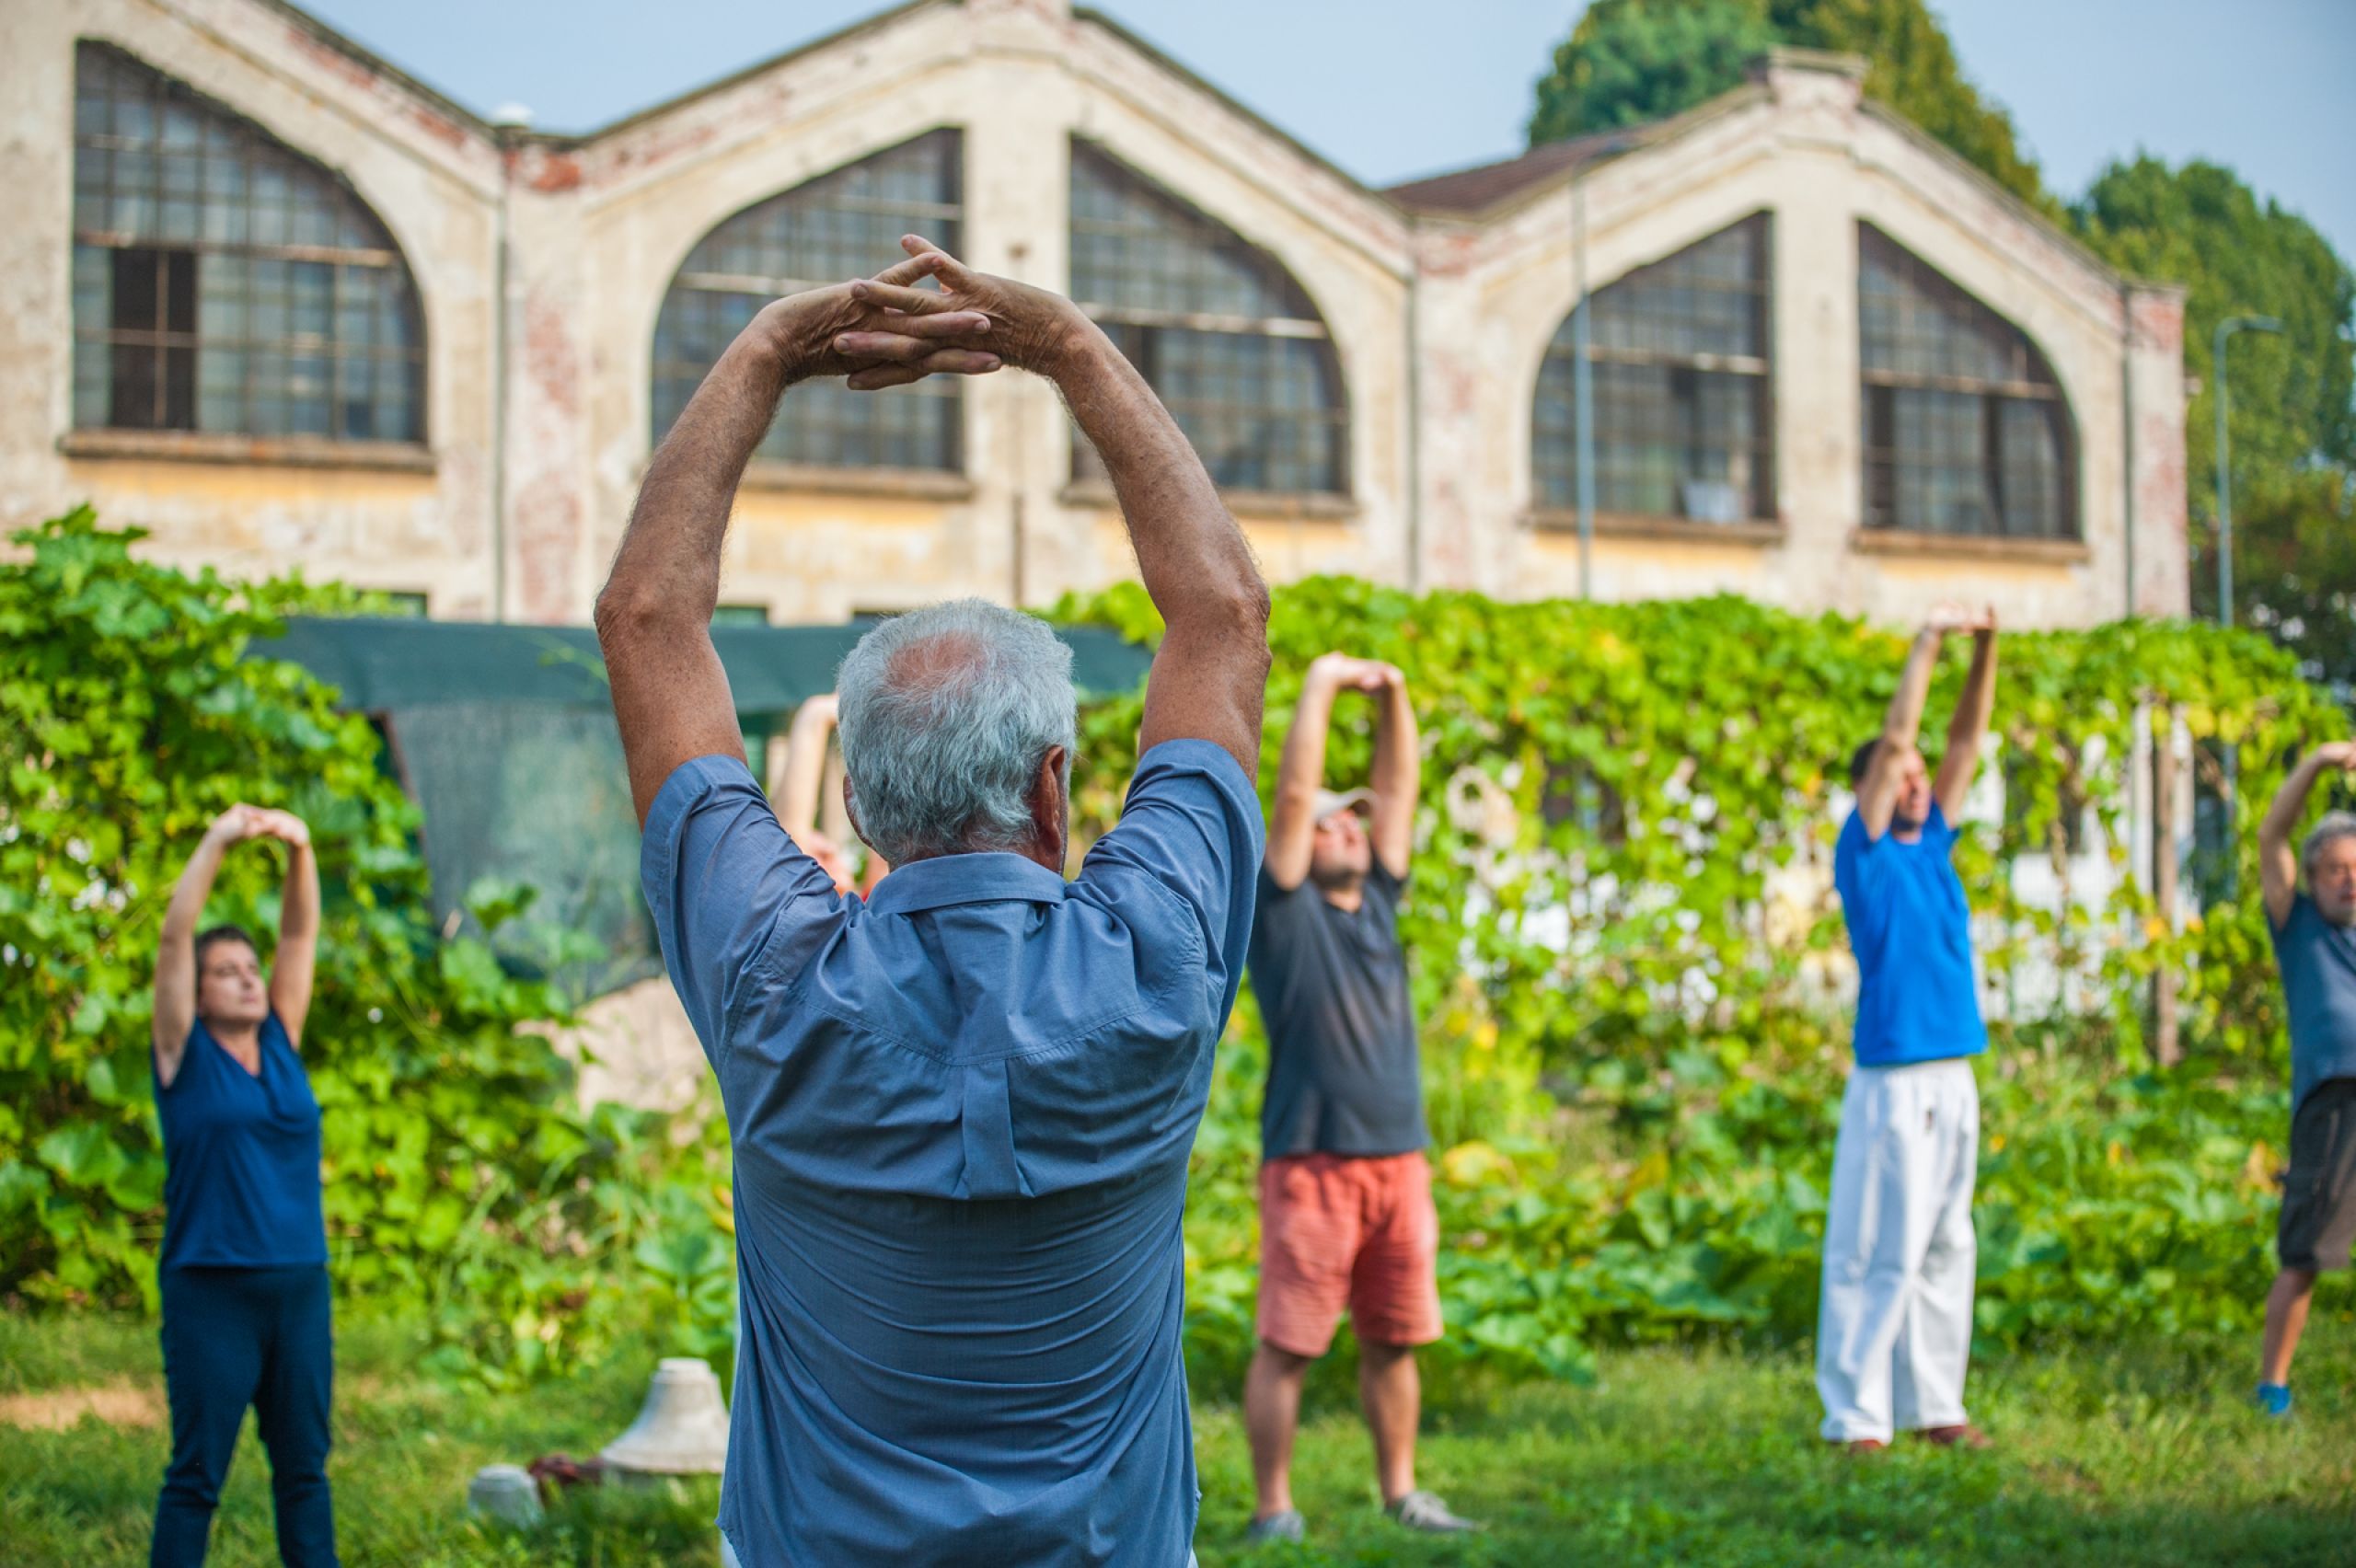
pixel 1343 1076
pixel 2319 963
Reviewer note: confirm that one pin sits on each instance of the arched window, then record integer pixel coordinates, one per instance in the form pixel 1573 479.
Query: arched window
pixel 844 225
pixel 1216 326
pixel 1679 352
pixel 224 282
pixel 1965 429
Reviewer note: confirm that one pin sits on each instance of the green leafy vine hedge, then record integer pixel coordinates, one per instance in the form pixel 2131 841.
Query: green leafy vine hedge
pixel 1628 967
pixel 1624 946
pixel 459 1176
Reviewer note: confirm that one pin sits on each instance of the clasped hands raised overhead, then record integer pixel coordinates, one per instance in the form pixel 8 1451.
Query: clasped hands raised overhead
pixel 886 331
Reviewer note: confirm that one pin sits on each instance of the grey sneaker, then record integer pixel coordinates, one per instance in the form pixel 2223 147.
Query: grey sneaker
pixel 1286 1526
pixel 1425 1512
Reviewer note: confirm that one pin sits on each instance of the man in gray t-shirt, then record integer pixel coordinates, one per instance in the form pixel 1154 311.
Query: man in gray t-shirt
pixel 2315 943
pixel 1346 1194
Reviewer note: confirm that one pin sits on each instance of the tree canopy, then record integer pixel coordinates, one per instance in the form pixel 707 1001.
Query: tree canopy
pixel 1628 61
pixel 2291 413
pixel 1631 61
pixel 2200 225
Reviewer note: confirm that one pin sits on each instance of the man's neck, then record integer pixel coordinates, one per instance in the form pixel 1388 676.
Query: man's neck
pixel 1346 899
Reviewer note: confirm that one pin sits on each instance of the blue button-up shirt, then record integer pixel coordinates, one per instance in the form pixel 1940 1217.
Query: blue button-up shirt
pixel 961 1114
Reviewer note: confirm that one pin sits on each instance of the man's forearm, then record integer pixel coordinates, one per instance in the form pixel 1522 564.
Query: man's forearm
pixel 670 692
pixel 2289 801
pixel 669 559
pixel 1190 553
pixel 1979 700
pixel 1302 771
pixel 1903 720
pixel 1398 751
pixel 805 769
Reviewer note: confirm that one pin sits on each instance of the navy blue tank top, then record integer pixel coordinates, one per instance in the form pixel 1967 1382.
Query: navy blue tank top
pixel 242 1156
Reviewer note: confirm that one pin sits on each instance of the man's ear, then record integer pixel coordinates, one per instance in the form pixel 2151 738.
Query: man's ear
pixel 1050 811
pixel 851 806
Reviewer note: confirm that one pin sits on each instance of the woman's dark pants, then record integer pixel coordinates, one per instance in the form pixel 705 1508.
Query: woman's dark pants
pixel 235 1338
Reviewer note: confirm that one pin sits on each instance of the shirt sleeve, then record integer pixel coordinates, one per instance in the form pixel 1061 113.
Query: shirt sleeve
pixel 1938 831
pixel 2302 908
pixel 731 895
pixel 1192 824
pixel 1853 864
pixel 1387 889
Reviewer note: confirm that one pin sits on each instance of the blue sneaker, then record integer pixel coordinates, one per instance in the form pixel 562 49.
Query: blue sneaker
pixel 2274 1400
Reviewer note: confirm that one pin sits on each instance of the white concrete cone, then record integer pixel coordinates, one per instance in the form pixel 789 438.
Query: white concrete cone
pixel 505 1492
pixel 682 1429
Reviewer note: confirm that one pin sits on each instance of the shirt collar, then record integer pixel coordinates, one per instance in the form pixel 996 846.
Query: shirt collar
pixel 991 877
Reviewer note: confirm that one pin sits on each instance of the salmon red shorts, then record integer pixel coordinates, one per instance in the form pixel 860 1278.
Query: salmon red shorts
pixel 1347 1231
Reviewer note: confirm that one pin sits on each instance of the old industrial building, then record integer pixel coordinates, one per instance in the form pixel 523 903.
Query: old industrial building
pixel 269 297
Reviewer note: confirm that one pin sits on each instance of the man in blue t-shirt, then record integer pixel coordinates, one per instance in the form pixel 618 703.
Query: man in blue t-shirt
pixel 1894 1328
pixel 959 1113
pixel 2315 943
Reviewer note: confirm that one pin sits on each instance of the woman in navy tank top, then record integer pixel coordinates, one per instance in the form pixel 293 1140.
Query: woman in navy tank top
pixel 243 1272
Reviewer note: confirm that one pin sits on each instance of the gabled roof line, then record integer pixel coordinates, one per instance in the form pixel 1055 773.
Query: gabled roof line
pixel 2082 252
pixel 571 141
pixel 1551 175
pixel 1557 170
pixel 344 43
pixel 1242 111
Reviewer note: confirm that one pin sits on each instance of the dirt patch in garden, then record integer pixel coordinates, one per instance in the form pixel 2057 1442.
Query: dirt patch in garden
pixel 55 1410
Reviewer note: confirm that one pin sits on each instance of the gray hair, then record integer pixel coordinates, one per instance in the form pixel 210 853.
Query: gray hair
pixel 2334 825
pixel 946 714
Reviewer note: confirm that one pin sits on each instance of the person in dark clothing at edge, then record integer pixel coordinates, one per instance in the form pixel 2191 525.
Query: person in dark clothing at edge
pixel 2314 944
pixel 244 1270
pixel 959 1111
pixel 1345 1200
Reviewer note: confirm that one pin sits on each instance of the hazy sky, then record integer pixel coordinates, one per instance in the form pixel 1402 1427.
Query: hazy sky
pixel 2264 86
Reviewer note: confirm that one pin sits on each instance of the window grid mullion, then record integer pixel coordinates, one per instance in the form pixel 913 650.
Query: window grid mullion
pixel 221 162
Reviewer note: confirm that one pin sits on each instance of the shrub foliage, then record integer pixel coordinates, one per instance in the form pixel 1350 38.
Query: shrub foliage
pixel 457 1172
pixel 1631 968
pixel 1621 934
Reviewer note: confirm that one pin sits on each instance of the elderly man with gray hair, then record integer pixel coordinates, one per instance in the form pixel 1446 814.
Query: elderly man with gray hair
pixel 961 1111
pixel 2315 943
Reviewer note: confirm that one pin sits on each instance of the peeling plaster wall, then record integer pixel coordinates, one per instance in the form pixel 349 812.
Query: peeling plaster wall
pixel 1439 327
pixel 430 179
pixel 1021 81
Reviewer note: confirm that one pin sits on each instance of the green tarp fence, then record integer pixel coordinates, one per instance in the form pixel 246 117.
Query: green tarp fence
pixel 504 736
pixel 383 666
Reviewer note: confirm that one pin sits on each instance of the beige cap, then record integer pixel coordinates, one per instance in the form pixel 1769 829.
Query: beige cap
pixel 1332 800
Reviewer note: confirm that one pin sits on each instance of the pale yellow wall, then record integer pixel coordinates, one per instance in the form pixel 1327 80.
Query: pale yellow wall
pixel 1439 328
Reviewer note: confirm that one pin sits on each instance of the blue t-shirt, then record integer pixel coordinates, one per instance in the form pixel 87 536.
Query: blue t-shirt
pixel 241 1158
pixel 1912 932
pixel 961 1115
pixel 2318 964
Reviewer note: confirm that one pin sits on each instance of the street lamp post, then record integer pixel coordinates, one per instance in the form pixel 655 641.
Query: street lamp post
pixel 2225 329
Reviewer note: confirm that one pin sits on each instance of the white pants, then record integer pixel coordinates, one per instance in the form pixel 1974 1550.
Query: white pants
pixel 1893 1332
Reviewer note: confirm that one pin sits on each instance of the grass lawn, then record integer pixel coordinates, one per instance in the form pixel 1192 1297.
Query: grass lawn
pixel 2144 1454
